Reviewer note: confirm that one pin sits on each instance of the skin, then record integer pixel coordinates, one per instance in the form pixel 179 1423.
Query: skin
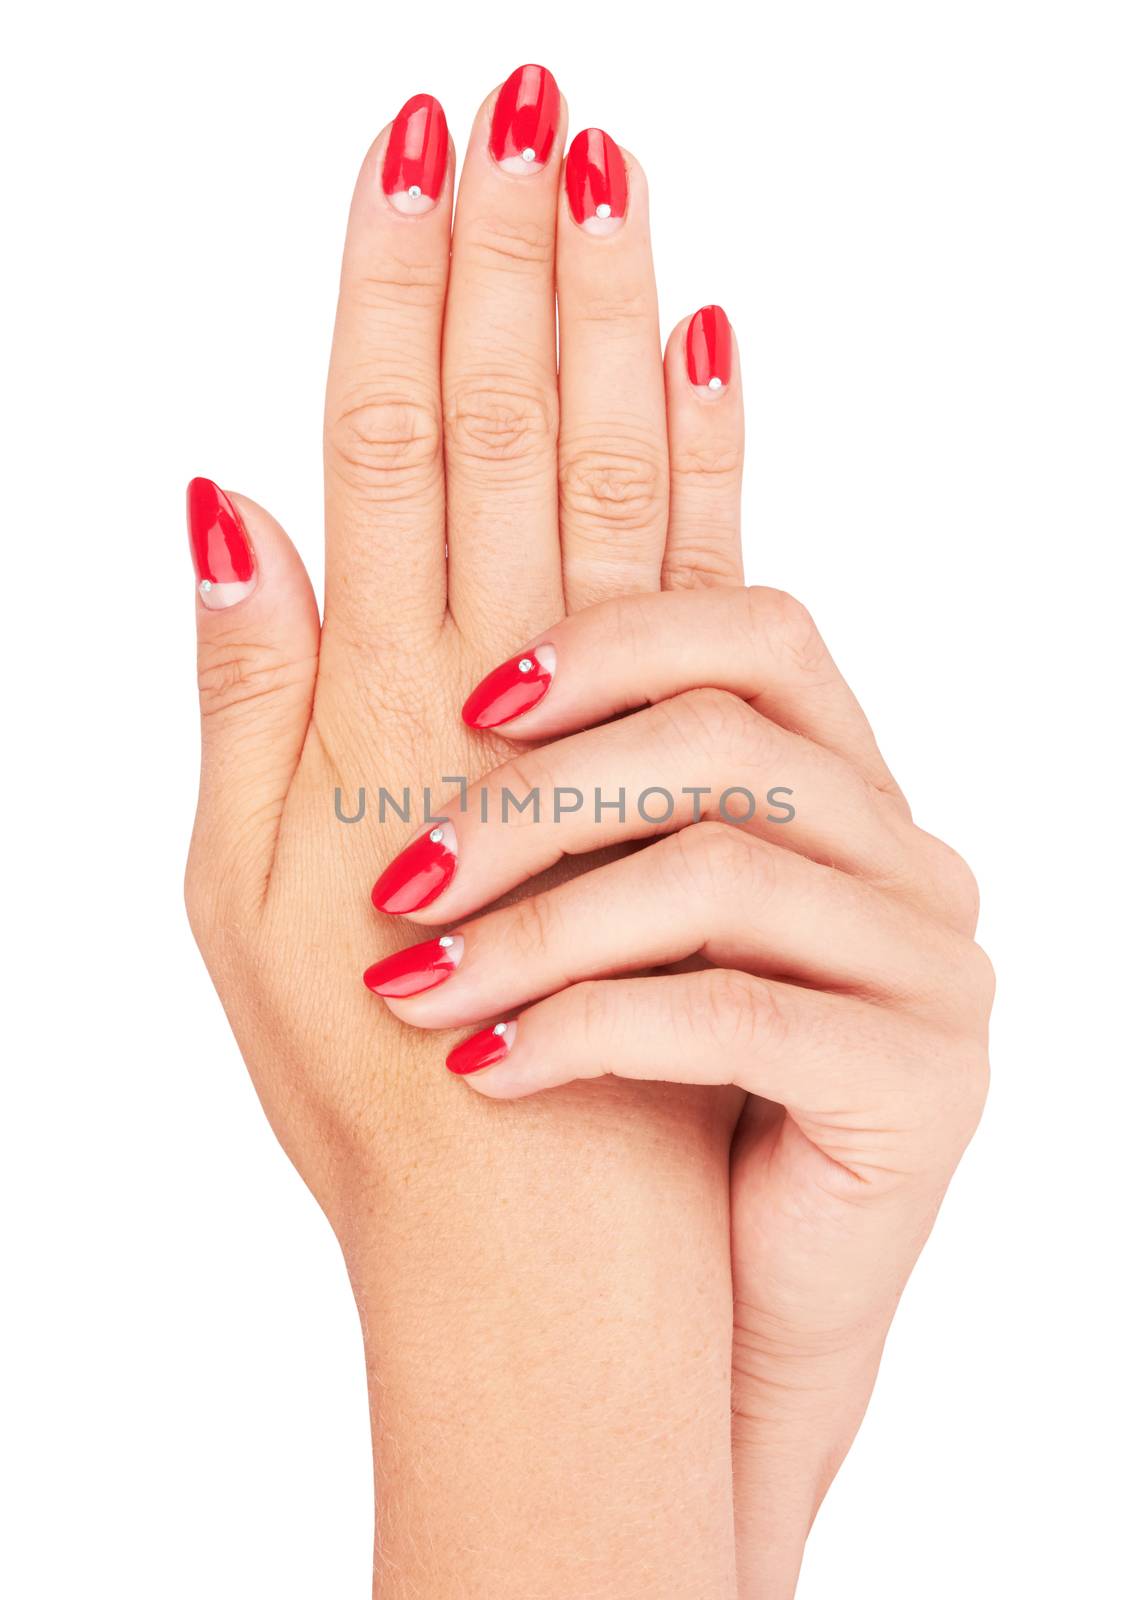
pixel 567 1394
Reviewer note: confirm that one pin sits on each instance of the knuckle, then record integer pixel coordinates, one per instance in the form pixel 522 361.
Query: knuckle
pixel 716 719
pixel 710 466
pixel 533 925
pixel 606 306
pixel 703 560
pixel 384 445
pixel 392 282
pixel 508 244
pixel 622 489
pixel 717 861
pixel 963 889
pixel 730 1009
pixel 789 626
pixel 507 424
pixel 235 672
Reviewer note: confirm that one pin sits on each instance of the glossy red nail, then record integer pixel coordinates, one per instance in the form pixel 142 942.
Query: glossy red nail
pixel 525 120
pixel 481 1049
pixel 511 689
pixel 416 157
pixel 423 870
pixel 412 971
pixel 220 547
pixel 595 177
pixel 708 350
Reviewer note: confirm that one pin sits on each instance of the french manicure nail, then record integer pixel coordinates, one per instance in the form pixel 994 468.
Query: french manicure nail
pixel 223 557
pixel 422 871
pixel 482 1049
pixel 595 178
pixel 525 120
pixel 412 971
pixel 511 689
pixel 708 351
pixel 416 157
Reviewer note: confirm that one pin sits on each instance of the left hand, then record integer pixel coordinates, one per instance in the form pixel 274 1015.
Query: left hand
pixel 825 965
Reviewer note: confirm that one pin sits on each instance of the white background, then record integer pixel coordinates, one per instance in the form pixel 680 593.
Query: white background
pixel 910 213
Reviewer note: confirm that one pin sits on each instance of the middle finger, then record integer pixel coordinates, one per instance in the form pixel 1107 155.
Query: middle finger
pixel 500 370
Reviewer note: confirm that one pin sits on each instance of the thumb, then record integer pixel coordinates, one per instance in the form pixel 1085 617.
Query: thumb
pixel 258 653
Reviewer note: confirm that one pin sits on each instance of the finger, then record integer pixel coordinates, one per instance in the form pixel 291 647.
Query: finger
pixel 846 1070
pixel 613 458
pixel 704 405
pixel 258 642
pixel 382 446
pixel 701 755
pixel 500 364
pixel 757 643
pixel 709 891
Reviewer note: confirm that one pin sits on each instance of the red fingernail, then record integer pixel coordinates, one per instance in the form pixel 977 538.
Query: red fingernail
pixel 525 120
pixel 708 350
pixel 423 870
pixel 595 177
pixel 481 1049
pixel 220 547
pixel 511 689
pixel 416 157
pixel 412 971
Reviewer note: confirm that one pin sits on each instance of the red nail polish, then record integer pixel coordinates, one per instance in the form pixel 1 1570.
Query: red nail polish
pixel 595 177
pixel 412 971
pixel 525 120
pixel 416 157
pixel 511 689
pixel 220 547
pixel 481 1049
pixel 708 350
pixel 423 870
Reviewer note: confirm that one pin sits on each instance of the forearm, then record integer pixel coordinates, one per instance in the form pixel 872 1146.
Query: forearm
pixel 545 1297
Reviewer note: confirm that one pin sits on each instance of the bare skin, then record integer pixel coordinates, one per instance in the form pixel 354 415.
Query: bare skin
pixel 565 1397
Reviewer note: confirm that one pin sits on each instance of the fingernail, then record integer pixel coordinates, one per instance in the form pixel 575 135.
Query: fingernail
pixel 220 548
pixel 482 1049
pixel 708 351
pixel 416 157
pixel 423 870
pixel 412 971
pixel 525 120
pixel 511 689
pixel 595 177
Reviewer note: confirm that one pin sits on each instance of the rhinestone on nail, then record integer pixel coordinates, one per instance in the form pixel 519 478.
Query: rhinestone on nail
pixel 716 383
pixel 500 1028
pixel 529 155
pixel 436 835
pixel 525 664
pixel 414 191
pixel 603 211
pixel 446 942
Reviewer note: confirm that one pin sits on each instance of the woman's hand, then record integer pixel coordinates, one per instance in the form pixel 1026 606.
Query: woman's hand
pixel 543 1289
pixel 819 955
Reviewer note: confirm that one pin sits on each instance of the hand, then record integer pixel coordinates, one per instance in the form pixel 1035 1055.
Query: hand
pixel 507 1284
pixel 818 955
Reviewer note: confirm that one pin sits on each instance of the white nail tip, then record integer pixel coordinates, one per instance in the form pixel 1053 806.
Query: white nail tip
pixel 411 202
pixel 521 166
pixel 546 658
pixel 220 596
pixel 601 226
